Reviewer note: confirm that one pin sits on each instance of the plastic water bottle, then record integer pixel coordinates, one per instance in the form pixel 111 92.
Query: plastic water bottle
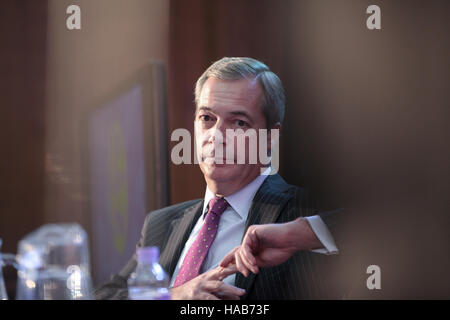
pixel 149 281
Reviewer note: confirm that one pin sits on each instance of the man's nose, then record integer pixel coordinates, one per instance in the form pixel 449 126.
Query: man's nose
pixel 217 133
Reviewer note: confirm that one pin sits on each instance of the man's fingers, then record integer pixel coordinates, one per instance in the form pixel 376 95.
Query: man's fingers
pixel 248 258
pixel 240 265
pixel 227 271
pixel 248 247
pixel 247 252
pixel 229 258
pixel 227 297
pixel 222 289
pixel 220 273
pixel 245 262
pixel 207 296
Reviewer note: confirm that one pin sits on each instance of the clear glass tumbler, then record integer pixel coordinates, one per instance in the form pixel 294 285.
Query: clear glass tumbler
pixel 53 264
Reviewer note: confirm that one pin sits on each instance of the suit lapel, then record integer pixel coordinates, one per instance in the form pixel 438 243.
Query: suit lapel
pixel 179 233
pixel 266 207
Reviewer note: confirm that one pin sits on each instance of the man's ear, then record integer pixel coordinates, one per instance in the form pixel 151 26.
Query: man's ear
pixel 269 136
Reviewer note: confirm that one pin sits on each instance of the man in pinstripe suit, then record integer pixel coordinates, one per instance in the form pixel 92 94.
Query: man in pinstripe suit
pixel 237 93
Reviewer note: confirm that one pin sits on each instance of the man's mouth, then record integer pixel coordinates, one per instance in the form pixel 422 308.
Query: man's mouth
pixel 221 160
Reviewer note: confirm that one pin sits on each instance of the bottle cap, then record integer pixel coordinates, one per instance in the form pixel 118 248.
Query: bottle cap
pixel 147 254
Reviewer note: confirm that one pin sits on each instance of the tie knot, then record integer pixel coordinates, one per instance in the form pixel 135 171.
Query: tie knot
pixel 218 205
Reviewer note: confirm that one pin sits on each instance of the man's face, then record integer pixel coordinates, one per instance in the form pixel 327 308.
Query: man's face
pixel 227 104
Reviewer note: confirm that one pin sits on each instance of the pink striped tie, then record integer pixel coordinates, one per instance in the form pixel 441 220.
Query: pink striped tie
pixel 199 249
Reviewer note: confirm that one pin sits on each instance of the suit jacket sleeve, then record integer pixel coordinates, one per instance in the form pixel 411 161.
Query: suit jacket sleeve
pixel 339 271
pixel 330 271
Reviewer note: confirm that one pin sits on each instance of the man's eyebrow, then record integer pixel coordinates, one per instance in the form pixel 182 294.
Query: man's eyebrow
pixel 234 113
pixel 242 113
pixel 204 108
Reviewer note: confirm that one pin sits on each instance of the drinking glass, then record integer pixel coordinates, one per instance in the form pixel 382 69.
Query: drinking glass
pixel 5 259
pixel 53 264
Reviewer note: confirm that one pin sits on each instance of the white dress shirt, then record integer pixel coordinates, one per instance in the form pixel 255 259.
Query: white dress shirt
pixel 232 226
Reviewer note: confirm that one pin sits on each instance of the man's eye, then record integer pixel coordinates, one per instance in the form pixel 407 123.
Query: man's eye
pixel 241 123
pixel 205 117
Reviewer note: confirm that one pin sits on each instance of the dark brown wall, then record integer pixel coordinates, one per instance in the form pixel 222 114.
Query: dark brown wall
pixel 22 125
pixel 367 126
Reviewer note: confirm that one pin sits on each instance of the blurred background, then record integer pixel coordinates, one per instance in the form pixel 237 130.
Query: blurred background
pixel 86 117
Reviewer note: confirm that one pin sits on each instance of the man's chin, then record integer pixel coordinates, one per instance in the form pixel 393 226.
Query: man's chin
pixel 219 172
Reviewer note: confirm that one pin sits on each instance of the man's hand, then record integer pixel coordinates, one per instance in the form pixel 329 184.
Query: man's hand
pixel 270 245
pixel 209 286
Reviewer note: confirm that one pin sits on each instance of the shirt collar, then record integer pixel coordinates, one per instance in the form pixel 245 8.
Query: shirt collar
pixel 241 200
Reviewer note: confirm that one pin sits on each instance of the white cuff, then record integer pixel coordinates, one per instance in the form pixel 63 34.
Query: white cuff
pixel 324 235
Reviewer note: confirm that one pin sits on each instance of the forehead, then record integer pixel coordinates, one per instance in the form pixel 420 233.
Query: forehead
pixel 225 94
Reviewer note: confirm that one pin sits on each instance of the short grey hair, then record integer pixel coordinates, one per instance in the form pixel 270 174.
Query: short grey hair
pixel 239 68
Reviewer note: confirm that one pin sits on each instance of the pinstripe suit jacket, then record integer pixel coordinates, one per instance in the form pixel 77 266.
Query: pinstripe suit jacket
pixel 303 276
